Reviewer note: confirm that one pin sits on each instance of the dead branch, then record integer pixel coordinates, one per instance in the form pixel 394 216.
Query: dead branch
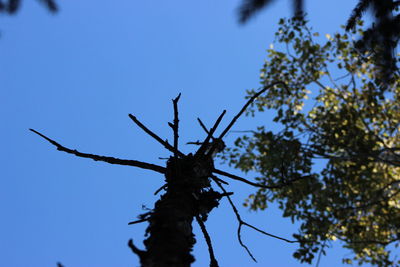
pixel 197 143
pixel 161 188
pixel 213 261
pixel 203 126
pixel 239 220
pixel 140 253
pixel 241 223
pixel 111 160
pixel 138 221
pixel 238 178
pixel 206 141
pixel 248 104
pixel 321 251
pixel 219 180
pixel 176 124
pixel 158 139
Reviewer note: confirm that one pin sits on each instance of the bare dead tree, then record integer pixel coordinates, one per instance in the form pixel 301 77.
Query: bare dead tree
pixel 188 193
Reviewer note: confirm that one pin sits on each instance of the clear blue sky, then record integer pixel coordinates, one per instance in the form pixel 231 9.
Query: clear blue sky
pixel 76 75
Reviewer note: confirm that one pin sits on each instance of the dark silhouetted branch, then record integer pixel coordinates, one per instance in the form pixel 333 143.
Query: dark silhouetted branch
pixel 197 143
pixel 241 223
pixel 321 251
pixel 213 261
pixel 158 139
pixel 268 234
pixel 206 141
pixel 203 126
pixel 239 220
pixel 238 178
pixel 138 221
pixel 219 180
pixel 110 160
pixel 248 104
pixel 176 124
pixel 161 188
pixel 250 7
pixel 135 250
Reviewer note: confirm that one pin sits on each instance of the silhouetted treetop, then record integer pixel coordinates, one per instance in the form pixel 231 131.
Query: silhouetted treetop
pixel 12 6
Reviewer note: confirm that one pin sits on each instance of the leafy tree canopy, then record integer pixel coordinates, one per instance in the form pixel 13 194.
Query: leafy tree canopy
pixel 337 158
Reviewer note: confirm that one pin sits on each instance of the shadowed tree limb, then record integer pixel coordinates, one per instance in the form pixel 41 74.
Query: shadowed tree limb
pixel 238 178
pixel 241 223
pixel 213 261
pixel 203 126
pixel 175 125
pixel 111 160
pixel 239 220
pixel 140 253
pixel 321 251
pixel 161 188
pixel 206 141
pixel 248 103
pixel 138 221
pixel 149 132
pixel 219 180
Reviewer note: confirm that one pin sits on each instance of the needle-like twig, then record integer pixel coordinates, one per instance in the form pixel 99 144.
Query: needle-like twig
pixel 238 178
pixel 248 104
pixel 161 188
pixel 176 124
pixel 321 251
pixel 241 223
pixel 149 132
pixel 111 160
pixel 206 141
pixel 239 220
pixel 138 221
pixel 203 126
pixel 213 260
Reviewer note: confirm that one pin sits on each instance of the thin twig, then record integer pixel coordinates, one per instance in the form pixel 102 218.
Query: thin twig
pixel 213 261
pixel 241 223
pixel 111 160
pixel 206 141
pixel 219 180
pixel 161 188
pixel 149 132
pixel 247 104
pixel 197 143
pixel 203 126
pixel 238 178
pixel 271 235
pixel 138 221
pixel 135 250
pixel 320 253
pixel 176 124
pixel 239 220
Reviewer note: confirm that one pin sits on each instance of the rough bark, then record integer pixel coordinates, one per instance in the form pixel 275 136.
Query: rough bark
pixel 188 194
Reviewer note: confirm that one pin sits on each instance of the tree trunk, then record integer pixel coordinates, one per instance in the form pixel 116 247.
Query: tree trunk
pixel 188 194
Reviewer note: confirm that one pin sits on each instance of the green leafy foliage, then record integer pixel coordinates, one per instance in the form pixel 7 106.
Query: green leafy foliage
pixel 338 154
